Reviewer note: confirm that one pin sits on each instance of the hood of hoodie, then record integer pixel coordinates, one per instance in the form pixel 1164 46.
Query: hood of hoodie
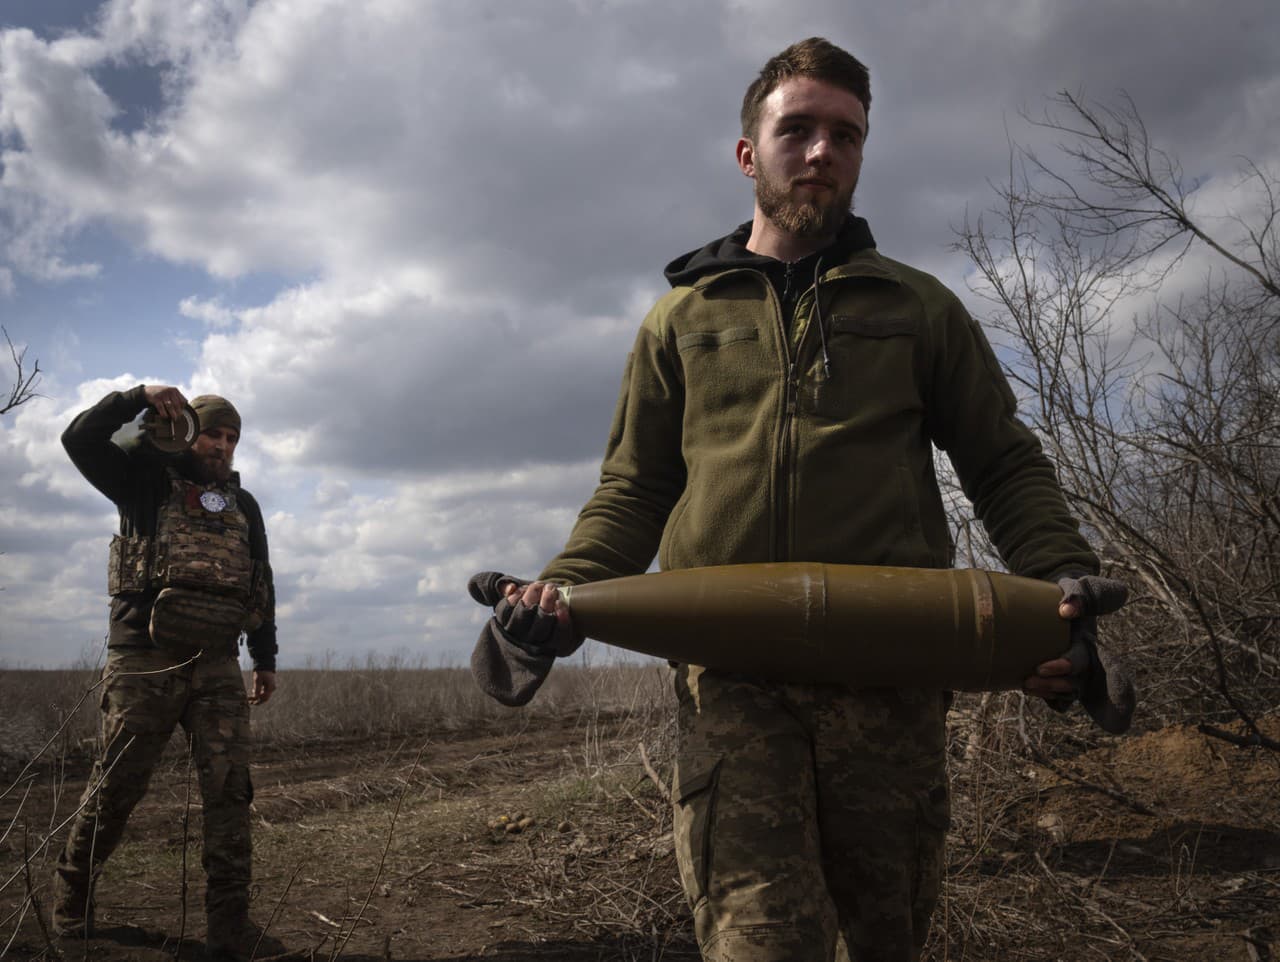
pixel 731 251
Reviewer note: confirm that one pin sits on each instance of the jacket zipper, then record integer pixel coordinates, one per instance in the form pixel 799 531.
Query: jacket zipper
pixel 788 282
pixel 782 505
pixel 786 436
pixel 784 452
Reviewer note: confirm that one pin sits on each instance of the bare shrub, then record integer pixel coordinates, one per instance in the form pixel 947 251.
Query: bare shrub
pixel 1165 429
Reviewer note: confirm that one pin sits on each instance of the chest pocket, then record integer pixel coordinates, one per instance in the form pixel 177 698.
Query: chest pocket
pixel 710 340
pixel 723 373
pixel 873 369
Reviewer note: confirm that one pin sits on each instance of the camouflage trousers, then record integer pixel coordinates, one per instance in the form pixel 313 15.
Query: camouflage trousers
pixel 809 819
pixel 143 700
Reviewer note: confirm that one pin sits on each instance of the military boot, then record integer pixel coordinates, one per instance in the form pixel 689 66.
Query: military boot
pixel 234 937
pixel 72 907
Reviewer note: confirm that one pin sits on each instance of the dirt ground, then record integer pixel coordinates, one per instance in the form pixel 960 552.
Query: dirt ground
pixel 1160 846
pixel 398 836
pixel 399 850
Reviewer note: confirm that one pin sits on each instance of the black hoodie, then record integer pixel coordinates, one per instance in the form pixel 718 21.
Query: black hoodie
pixel 789 280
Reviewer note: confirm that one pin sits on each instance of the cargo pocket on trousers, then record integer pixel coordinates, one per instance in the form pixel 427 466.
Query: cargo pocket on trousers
pixel 141 704
pixel 694 791
pixel 933 820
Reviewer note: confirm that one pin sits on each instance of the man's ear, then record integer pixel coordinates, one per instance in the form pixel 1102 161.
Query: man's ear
pixel 746 153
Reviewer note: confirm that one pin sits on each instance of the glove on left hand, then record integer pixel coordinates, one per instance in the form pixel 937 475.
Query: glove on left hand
pixel 1105 687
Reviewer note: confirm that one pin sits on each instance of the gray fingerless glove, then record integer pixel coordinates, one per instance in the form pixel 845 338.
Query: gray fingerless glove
pixel 518 645
pixel 1103 685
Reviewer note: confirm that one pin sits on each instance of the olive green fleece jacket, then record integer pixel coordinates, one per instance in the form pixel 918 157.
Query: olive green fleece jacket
pixel 731 443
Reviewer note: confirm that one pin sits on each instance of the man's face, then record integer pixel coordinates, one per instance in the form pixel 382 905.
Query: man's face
pixel 806 156
pixel 213 453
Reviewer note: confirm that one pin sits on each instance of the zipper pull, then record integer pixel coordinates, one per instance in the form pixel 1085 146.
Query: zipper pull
pixel 822 321
pixel 793 388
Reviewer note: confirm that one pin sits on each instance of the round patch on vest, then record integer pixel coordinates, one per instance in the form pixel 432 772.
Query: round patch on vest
pixel 213 501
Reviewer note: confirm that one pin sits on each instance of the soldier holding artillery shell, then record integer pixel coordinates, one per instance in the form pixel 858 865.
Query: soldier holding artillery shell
pixel 782 404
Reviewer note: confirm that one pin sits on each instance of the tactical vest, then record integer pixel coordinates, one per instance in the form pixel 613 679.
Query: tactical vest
pixel 207 588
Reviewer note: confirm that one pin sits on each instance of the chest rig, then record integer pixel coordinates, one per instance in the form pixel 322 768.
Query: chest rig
pixel 207 587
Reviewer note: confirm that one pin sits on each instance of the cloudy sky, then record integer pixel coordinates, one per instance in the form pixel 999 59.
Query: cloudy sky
pixel 413 239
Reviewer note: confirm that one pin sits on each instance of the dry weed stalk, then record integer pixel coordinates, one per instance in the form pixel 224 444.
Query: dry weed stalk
pixel 609 870
pixel 275 909
pixel 34 900
pixel 56 734
pixel 66 821
pixel 614 873
pixel 340 946
pixel 16 815
pixel 186 844
pixel 1018 890
pixel 92 795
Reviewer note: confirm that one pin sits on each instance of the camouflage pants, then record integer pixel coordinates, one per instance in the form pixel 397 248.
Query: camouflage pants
pixel 141 704
pixel 809 819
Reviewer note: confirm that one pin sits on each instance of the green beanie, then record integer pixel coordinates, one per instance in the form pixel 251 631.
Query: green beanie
pixel 215 412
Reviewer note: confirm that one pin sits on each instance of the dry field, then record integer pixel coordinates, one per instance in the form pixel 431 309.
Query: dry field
pixel 385 798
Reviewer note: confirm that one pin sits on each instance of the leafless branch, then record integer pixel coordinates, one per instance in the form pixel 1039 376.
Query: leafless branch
pixel 24 382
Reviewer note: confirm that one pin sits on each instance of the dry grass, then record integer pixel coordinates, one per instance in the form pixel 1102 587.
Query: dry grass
pixel 1065 844
pixel 44 705
pixel 376 698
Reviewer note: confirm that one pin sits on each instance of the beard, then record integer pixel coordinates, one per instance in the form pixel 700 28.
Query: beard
pixel 806 219
pixel 209 469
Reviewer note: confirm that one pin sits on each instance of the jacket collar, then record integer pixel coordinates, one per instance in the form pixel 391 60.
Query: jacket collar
pixel 865 263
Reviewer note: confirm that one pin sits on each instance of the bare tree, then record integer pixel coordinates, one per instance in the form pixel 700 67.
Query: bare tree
pixel 1163 421
pixel 24 381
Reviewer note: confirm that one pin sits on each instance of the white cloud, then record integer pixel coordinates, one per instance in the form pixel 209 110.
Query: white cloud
pixel 347 138
pixel 470 205
pixel 211 312
pixel 166 32
pixel 400 374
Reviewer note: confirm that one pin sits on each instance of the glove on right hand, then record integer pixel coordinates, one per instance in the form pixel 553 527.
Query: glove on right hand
pixel 518 645
pixel 530 627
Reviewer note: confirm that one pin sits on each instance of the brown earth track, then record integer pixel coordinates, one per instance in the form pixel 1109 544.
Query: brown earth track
pixel 1057 870
pixel 450 887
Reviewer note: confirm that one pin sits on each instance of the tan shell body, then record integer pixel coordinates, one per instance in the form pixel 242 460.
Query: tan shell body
pixel 857 625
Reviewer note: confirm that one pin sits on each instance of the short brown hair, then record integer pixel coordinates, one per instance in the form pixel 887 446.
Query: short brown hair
pixel 816 58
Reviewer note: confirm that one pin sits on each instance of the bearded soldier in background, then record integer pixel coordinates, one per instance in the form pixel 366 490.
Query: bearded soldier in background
pixel 188 575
